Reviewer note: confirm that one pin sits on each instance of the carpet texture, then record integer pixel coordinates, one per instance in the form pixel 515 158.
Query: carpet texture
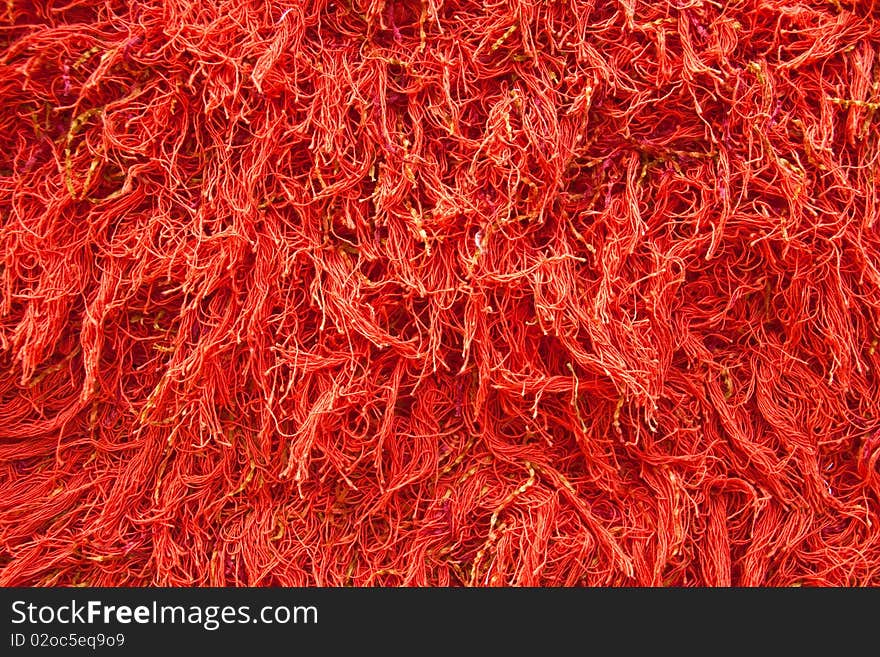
pixel 426 293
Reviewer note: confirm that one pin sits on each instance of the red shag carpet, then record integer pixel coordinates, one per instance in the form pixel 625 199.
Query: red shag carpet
pixel 426 292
